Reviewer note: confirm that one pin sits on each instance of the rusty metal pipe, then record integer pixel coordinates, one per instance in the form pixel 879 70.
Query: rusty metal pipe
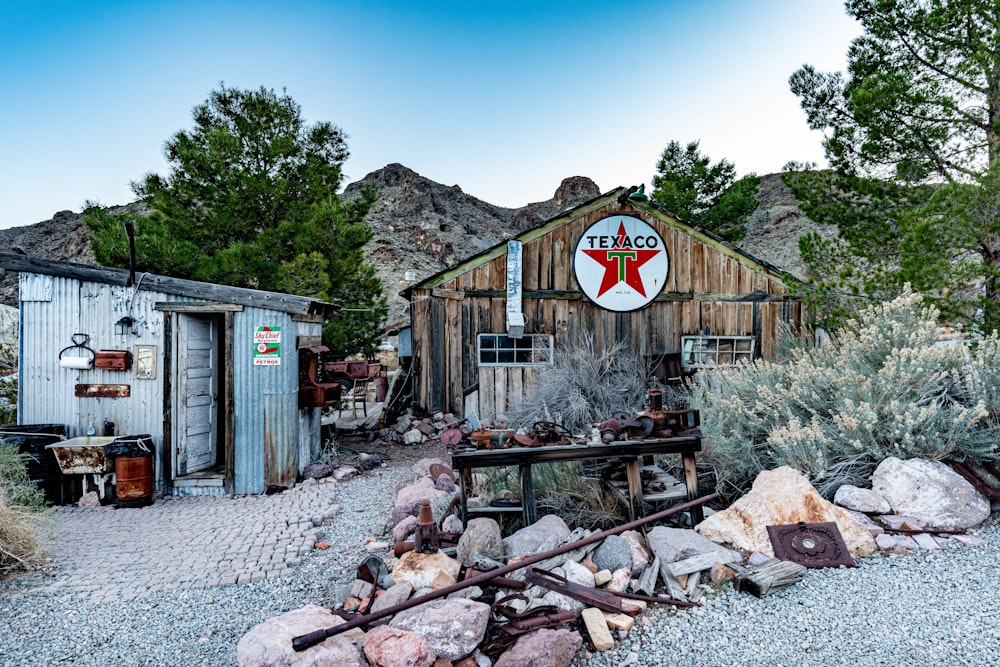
pixel 303 642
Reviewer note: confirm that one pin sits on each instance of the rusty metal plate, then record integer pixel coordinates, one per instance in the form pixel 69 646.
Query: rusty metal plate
pixel 102 390
pixel 812 545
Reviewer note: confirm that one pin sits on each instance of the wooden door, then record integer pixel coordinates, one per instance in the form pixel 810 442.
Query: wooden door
pixel 195 401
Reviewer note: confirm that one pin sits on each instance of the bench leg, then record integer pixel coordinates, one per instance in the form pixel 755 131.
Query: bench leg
pixel 528 509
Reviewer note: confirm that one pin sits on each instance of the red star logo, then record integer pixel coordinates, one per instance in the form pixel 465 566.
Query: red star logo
pixel 621 265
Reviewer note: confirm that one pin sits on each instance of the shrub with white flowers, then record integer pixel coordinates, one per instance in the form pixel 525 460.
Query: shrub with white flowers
pixel 886 386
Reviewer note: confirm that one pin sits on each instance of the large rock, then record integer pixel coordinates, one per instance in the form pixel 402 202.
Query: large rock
pixel 778 497
pixel 613 554
pixel 481 536
pixel 270 643
pixel 454 627
pixel 869 501
pixel 423 466
pixel 386 646
pixel 932 492
pixel 420 570
pixel 317 471
pixel 542 648
pixel 409 498
pixel 527 540
pixel 640 554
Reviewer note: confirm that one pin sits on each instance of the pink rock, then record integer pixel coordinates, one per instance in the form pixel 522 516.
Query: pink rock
pixel 542 648
pixel 270 643
pixel 392 647
pixel 403 529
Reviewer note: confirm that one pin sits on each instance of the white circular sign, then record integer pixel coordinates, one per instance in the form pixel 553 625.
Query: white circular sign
pixel 621 263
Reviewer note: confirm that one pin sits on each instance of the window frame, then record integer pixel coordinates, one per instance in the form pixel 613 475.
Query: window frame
pixel 742 351
pixel 539 350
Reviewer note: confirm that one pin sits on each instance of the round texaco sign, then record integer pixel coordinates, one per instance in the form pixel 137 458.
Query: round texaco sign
pixel 621 263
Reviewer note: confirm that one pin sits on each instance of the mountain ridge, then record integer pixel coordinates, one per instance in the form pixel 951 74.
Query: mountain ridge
pixel 420 227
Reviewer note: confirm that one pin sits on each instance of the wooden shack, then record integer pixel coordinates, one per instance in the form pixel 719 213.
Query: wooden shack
pixel 617 266
pixel 211 373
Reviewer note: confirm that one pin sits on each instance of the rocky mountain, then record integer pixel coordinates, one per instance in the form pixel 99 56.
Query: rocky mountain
pixel 421 227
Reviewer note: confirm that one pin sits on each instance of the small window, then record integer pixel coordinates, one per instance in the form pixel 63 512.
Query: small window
pixel 501 350
pixel 716 350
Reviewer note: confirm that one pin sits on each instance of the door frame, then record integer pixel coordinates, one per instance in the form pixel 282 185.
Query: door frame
pixel 225 405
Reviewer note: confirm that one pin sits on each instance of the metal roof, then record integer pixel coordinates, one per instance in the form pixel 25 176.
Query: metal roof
pixel 286 303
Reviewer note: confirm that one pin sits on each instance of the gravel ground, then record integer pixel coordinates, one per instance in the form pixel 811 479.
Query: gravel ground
pixel 926 608
pixel 198 626
pixel 923 609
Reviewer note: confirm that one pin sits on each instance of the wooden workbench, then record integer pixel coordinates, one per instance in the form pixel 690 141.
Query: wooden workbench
pixel 628 452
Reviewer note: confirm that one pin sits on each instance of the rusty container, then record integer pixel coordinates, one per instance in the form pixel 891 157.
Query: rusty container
pixel 134 480
pixel 381 388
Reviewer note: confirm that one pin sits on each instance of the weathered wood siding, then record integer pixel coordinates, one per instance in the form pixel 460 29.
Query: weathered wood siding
pixel 708 286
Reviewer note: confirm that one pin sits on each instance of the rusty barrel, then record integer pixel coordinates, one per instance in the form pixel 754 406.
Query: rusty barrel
pixel 381 388
pixel 134 480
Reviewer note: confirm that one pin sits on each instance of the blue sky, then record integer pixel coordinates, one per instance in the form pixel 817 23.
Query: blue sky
pixel 504 99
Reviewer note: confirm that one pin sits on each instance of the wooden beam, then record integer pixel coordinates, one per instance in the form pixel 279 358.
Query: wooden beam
pixel 197 307
pixel 665 297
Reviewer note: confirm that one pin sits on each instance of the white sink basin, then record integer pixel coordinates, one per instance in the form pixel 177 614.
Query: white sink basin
pixel 83 455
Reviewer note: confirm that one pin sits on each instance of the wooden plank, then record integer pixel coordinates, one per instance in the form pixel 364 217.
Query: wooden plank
pixel 197 307
pixel 701 562
pixel 228 404
pixel 691 482
pixel 442 293
pixel 561 258
pixel 634 488
pixel 454 349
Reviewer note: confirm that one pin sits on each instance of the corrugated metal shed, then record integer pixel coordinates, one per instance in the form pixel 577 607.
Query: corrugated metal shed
pixel 262 436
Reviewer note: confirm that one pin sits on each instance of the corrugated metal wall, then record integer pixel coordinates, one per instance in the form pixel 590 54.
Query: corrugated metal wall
pixel 53 309
pixel 264 389
pixel 47 327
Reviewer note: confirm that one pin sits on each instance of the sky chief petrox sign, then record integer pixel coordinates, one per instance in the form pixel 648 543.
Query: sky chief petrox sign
pixel 621 263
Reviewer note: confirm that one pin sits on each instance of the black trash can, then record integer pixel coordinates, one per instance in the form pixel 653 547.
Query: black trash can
pixel 30 440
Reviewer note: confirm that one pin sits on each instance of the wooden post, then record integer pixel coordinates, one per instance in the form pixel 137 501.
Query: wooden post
pixel 635 488
pixel 691 482
pixel 528 509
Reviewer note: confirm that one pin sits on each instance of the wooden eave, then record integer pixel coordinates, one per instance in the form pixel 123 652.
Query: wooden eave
pixel 703 236
pixel 287 303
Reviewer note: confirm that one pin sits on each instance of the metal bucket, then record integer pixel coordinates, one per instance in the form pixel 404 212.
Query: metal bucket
pixel 134 480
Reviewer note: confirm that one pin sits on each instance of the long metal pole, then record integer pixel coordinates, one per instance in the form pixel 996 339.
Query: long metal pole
pixel 315 637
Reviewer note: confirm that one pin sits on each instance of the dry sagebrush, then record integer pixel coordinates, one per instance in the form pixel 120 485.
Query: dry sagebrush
pixel 885 387
pixel 584 385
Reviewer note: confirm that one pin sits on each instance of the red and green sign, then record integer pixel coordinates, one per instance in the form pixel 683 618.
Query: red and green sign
pixel 621 263
pixel 267 346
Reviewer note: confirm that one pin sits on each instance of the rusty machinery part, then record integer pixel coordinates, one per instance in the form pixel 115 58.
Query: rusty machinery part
pixel 525 440
pixel 654 399
pixel 374 570
pixel 610 430
pixel 551 433
pixel 634 427
pixel 812 545
pixel 438 469
pixel 506 623
pixel 425 537
pixel 446 540
pixel 451 436
pixel 303 642
pixel 592 597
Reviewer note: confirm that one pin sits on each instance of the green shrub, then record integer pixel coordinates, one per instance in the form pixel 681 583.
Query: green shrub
pixel 885 386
